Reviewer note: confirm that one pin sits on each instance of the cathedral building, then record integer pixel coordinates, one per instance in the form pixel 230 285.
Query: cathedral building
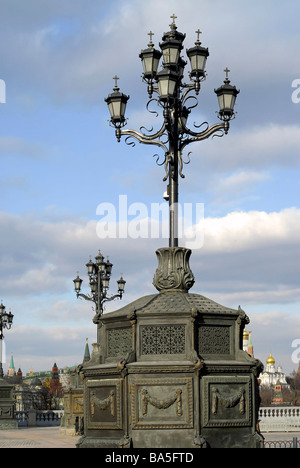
pixel 271 376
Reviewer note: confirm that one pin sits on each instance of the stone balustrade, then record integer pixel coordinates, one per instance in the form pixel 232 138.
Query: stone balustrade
pixel 39 418
pixel 279 419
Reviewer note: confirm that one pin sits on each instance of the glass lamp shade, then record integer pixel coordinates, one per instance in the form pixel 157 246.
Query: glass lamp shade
pixel 99 259
pixel 105 282
pixel 108 267
pixel 226 96
pixel 121 285
pixel 171 52
pixel 77 283
pixel 90 267
pixel 93 285
pixel 9 319
pixel 150 59
pixel 167 81
pixel 198 56
pixel 5 318
pixel 117 106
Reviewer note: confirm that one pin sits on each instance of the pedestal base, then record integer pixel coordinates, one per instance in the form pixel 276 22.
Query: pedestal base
pixel 7 406
pixel 169 372
pixel 8 424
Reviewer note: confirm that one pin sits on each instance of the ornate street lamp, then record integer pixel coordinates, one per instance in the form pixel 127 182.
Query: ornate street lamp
pixel 99 273
pixel 117 105
pixel 226 95
pixel 174 97
pixel 6 320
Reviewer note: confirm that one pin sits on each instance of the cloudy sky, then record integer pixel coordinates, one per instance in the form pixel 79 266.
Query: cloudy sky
pixel 60 161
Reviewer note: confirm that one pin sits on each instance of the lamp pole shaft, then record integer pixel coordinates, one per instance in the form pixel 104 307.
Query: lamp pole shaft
pixel 173 135
pixel 173 195
pixel 1 339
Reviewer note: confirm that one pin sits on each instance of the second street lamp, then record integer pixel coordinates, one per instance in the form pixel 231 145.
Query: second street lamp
pixel 173 96
pixel 99 273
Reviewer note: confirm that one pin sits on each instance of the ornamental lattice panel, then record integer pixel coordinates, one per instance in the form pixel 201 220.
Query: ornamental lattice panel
pixel 163 339
pixel 119 342
pixel 214 340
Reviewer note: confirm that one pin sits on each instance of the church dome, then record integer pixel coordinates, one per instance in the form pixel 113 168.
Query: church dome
pixel 271 360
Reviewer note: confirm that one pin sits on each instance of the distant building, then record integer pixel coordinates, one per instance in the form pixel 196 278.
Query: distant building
pixel 27 396
pixel 11 370
pixel 277 395
pixel 247 343
pixel 37 389
pixel 270 376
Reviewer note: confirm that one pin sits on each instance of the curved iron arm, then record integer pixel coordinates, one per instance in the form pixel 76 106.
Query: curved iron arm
pixel 107 299
pixel 87 298
pixel 147 140
pixel 223 127
pixel 158 134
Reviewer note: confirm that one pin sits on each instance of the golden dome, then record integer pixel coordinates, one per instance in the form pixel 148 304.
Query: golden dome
pixel 271 360
pixel 245 334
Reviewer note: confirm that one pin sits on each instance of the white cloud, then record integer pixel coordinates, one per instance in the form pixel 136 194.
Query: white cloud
pixel 241 231
pixel 270 146
pixel 37 348
pixel 255 251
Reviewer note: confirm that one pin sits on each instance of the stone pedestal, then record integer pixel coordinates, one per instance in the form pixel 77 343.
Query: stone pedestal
pixel 73 404
pixel 7 406
pixel 169 371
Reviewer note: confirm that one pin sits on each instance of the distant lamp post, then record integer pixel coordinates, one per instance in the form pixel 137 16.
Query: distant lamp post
pixel 6 320
pixel 176 101
pixel 99 273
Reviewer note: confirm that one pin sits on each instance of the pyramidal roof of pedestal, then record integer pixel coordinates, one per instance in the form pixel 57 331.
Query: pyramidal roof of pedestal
pixel 168 302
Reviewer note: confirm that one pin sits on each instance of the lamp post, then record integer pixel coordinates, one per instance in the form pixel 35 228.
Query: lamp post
pixel 173 97
pixel 99 273
pixel 6 320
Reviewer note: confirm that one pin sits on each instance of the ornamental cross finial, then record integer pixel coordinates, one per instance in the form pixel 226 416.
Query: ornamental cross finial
pixel 226 71
pixel 173 17
pixel 151 34
pixel 198 32
pixel 116 78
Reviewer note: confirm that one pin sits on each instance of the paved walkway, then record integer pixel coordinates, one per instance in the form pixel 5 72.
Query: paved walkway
pixel 32 437
pixel 51 437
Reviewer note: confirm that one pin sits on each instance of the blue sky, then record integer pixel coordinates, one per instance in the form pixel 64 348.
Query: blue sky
pixel 59 160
